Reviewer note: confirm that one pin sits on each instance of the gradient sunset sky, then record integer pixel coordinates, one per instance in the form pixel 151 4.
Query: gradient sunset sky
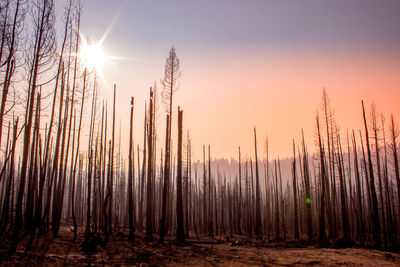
pixel 250 63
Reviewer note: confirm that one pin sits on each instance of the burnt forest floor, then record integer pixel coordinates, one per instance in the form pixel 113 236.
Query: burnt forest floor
pixel 238 251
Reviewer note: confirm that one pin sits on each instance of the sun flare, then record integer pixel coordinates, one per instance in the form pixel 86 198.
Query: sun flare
pixel 93 56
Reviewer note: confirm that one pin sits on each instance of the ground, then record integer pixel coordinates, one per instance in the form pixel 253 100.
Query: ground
pixel 120 252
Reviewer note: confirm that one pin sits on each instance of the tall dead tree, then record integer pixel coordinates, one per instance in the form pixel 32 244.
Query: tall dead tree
pixel 149 200
pixel 394 134
pixel 111 180
pixel 322 239
pixel 267 190
pixel 180 232
pixel 131 173
pixel 170 85
pixel 258 191
pixel 307 185
pixel 296 206
pixel 210 215
pixel 375 132
pixel 44 42
pixel 77 149
pixel 375 211
pixel 359 192
pixel 204 190
pixel 90 164
pixel 165 189
pixel 239 210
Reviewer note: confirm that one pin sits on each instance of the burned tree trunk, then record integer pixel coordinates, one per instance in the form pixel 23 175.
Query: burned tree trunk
pixel 322 234
pixel 180 233
pixel 375 215
pixel 42 52
pixel 296 207
pixel 258 192
pixel 166 186
pixel 130 177
pixel 394 135
pixel 149 200
pixel 239 210
pixel 358 186
pixel 307 185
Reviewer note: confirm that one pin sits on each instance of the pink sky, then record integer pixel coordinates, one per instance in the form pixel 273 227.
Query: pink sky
pixel 260 64
pixel 225 95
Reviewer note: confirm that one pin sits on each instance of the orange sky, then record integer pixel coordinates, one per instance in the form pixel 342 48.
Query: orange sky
pixel 225 95
pixel 246 64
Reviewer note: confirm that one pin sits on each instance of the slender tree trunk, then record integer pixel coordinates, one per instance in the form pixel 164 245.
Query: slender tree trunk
pixel 204 191
pixel 258 193
pixel 277 216
pixel 180 233
pixel 394 135
pixel 296 208
pixel 166 186
pixel 358 184
pixel 322 234
pixel 307 191
pixel 210 217
pixel 149 200
pixel 375 214
pixel 110 186
pixel 131 173
pixel 239 210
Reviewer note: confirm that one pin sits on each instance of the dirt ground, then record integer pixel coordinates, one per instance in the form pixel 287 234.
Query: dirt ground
pixel 120 252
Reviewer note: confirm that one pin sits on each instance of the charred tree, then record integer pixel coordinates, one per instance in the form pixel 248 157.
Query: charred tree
pixel 180 233
pixel 296 208
pixel 131 173
pixel 149 200
pixel 165 188
pixel 258 192
pixel 375 211
pixel 322 239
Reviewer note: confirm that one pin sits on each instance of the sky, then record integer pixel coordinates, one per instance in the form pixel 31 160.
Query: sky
pixel 253 63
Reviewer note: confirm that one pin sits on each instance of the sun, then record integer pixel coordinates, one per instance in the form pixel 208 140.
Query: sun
pixel 93 56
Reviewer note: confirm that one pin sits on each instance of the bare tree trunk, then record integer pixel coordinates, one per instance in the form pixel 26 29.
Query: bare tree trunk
pixel 131 173
pixel 277 216
pixel 7 204
pixel 358 184
pixel 44 26
pixel 389 215
pixel 378 169
pixel 90 165
pixel 210 217
pixel 394 135
pixel 149 200
pixel 166 185
pixel 111 184
pixel 258 193
pixel 143 171
pixel 322 234
pixel 239 210
pixel 180 233
pixel 204 191
pixel 308 192
pixel 296 208
pixel 375 214
pixel 77 152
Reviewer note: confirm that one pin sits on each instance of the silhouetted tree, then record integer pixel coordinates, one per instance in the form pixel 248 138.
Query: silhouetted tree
pixel 180 232
pixel 375 214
